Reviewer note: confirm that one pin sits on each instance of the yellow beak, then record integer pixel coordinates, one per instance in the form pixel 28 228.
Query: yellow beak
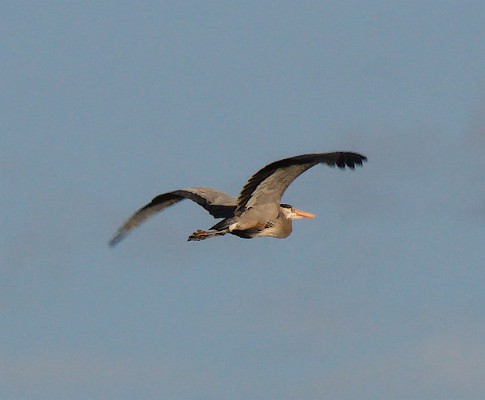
pixel 304 214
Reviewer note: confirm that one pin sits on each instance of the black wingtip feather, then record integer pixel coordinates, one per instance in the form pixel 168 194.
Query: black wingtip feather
pixel 349 159
pixel 116 239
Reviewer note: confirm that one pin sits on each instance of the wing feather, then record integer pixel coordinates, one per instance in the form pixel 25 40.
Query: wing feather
pixel 269 183
pixel 218 204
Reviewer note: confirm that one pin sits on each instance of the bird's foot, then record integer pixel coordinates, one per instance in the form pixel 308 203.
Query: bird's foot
pixel 201 235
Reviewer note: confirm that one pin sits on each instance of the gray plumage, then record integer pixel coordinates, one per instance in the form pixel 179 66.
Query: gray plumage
pixel 257 211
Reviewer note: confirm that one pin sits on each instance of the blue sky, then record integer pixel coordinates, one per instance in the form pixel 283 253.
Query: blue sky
pixel 106 104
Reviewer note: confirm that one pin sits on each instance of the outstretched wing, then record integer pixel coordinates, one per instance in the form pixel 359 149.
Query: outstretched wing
pixel 218 204
pixel 269 183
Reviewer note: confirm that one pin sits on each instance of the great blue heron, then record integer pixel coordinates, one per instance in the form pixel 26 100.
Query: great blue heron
pixel 257 211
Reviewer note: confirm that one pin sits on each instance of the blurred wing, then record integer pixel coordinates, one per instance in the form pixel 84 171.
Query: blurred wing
pixel 218 204
pixel 268 184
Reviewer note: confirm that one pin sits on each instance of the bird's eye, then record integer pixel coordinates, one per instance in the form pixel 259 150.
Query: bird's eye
pixel 286 206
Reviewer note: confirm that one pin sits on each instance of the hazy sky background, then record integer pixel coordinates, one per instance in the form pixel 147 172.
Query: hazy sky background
pixel 106 104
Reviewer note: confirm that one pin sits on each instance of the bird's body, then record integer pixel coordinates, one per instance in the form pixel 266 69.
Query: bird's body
pixel 257 211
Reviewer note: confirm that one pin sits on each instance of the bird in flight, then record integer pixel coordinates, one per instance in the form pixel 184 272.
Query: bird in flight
pixel 257 212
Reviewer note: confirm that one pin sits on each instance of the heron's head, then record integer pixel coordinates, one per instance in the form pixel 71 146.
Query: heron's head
pixel 292 213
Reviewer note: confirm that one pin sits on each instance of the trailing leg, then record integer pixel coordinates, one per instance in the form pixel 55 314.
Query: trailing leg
pixel 201 235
